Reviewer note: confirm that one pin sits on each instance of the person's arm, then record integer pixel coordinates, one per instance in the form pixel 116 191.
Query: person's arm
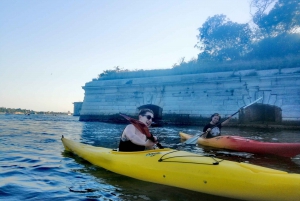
pixel 206 129
pixel 149 144
pixel 129 132
pixel 226 121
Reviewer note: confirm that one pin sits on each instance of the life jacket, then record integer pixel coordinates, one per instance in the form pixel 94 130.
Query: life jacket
pixel 126 145
pixel 129 146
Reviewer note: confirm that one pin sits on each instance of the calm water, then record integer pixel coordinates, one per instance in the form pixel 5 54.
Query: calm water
pixel 34 165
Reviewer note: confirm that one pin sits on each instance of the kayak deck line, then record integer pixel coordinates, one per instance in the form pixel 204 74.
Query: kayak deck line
pixel 180 169
pixel 115 151
pixel 162 159
pixel 154 152
pixel 165 159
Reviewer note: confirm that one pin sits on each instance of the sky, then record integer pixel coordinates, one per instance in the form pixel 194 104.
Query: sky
pixel 50 49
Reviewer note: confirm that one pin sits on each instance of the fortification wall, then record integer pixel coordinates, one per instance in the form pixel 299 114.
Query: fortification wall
pixel 192 98
pixel 77 108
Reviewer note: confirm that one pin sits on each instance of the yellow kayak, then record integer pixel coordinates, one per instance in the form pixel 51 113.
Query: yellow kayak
pixel 194 172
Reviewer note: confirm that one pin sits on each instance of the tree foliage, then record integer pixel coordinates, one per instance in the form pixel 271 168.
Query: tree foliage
pixel 271 40
pixel 25 111
pixel 116 69
pixel 277 33
pixel 221 39
pixel 280 46
pixel 12 110
pixel 284 17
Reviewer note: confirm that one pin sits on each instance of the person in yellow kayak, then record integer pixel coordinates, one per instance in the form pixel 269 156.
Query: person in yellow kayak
pixel 213 128
pixel 134 140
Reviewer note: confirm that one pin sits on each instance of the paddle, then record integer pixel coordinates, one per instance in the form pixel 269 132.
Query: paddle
pixel 194 139
pixel 142 128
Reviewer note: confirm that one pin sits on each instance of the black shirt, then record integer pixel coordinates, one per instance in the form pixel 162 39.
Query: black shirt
pixel 126 145
pixel 129 146
pixel 215 130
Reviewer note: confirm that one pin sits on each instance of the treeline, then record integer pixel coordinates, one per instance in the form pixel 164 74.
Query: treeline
pixel 25 111
pixel 270 41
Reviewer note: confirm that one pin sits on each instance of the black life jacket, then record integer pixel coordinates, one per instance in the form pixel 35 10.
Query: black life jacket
pixel 127 145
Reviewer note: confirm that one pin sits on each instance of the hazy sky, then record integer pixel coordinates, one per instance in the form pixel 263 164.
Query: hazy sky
pixel 50 49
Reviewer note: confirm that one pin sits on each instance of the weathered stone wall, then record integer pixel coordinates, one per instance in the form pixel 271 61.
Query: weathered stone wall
pixel 77 108
pixel 192 98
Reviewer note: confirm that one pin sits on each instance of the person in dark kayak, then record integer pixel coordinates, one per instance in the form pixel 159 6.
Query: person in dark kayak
pixel 213 128
pixel 132 139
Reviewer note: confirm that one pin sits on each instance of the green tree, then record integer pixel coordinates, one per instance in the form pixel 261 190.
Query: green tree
pixel 278 23
pixel 284 17
pixel 116 69
pixel 221 39
pixel 280 46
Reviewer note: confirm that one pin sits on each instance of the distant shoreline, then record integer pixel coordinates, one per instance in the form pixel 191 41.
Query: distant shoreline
pixel 67 114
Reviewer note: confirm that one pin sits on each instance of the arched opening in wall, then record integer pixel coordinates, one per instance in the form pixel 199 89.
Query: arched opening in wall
pixel 261 113
pixel 156 109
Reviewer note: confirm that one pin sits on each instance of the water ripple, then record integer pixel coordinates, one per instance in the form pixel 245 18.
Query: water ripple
pixel 34 165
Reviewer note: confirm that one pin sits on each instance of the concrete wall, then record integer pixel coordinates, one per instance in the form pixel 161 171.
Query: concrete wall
pixel 194 97
pixel 77 108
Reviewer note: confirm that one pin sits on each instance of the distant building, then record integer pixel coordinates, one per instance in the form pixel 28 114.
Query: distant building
pixel 77 108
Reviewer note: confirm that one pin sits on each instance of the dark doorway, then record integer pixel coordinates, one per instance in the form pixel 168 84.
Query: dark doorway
pixel 261 113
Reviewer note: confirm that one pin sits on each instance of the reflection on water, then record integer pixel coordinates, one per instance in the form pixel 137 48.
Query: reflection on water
pixel 34 165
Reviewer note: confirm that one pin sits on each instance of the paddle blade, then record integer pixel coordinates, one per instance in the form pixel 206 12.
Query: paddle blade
pixel 139 125
pixel 192 140
pixel 252 103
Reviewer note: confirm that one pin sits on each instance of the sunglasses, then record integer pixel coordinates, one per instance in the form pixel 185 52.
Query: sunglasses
pixel 148 117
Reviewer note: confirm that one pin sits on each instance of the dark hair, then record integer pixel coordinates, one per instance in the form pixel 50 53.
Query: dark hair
pixel 216 114
pixel 144 111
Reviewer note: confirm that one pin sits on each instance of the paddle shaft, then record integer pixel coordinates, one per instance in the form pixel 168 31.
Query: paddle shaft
pixel 244 107
pixel 194 139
